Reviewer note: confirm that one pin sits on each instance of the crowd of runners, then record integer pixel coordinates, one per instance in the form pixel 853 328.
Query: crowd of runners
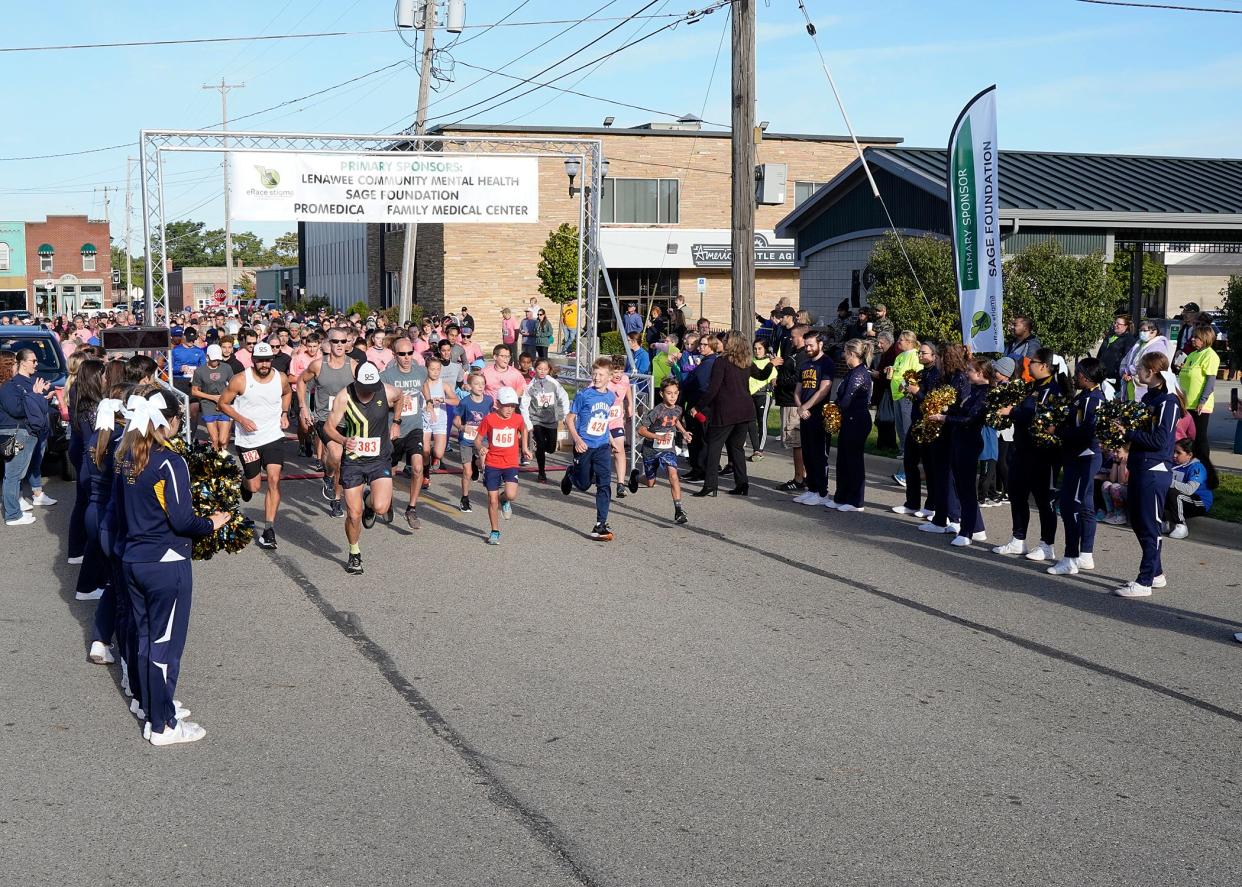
pixel 369 405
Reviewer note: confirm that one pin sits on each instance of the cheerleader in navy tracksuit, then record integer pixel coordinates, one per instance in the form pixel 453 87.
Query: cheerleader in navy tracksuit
pixel 854 401
pixel 1080 450
pixel 88 393
pixel 98 470
pixel 964 438
pixel 1031 466
pixel 941 486
pixel 152 497
pixel 929 378
pixel 1151 470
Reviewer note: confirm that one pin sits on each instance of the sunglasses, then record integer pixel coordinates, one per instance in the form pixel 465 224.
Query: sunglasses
pixel 338 341
pixel 403 353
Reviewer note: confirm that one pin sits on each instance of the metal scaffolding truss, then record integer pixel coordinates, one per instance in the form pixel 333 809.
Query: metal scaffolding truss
pixel 588 152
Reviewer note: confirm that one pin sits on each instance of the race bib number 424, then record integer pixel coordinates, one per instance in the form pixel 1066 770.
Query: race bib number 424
pixel 597 426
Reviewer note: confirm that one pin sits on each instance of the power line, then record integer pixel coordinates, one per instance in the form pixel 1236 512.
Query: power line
pixel 1163 6
pixel 494 24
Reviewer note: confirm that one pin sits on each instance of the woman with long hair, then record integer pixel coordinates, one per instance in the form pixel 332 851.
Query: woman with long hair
pixel 941 485
pixel 963 431
pixel 854 401
pixel 917 390
pixel 1082 458
pixel 76 536
pixel 112 610
pixel 88 392
pixel 1031 466
pixel 1150 464
pixel 728 409
pixel 151 496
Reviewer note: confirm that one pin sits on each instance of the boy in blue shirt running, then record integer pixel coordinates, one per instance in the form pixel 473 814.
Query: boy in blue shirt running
pixel 587 423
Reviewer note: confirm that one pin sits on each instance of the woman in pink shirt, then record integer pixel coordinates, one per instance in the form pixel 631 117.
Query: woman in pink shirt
pixel 378 351
pixel 508 328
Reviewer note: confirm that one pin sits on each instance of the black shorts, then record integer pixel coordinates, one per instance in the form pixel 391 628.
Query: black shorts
pixel 323 436
pixel 359 474
pixel 409 445
pixel 255 459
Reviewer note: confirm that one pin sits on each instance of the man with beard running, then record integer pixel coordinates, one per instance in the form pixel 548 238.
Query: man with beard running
pixel 258 402
pixel 408 377
pixel 327 376
pixel 370 414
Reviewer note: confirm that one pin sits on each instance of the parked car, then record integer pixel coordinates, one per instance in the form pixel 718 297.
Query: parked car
pixel 55 370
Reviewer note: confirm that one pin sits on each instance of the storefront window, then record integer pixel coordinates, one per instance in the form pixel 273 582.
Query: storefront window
pixel 640 202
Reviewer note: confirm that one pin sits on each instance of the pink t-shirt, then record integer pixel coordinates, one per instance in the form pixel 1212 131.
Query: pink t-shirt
pixel 381 357
pixel 616 413
pixel 508 330
pixel 83 335
pixel 494 379
pixel 473 351
pixel 244 357
pixel 299 362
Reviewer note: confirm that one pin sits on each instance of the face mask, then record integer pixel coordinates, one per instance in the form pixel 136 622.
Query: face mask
pixel 1145 336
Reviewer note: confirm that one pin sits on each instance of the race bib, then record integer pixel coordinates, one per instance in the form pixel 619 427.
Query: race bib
pixel 469 433
pixel 504 437
pixel 366 446
pixel 410 404
pixel 331 400
pixel 614 412
pixel 250 455
pixel 188 371
pixel 544 398
pixel 597 426
pixel 664 440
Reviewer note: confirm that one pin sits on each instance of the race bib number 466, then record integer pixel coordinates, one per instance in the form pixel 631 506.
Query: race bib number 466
pixel 504 437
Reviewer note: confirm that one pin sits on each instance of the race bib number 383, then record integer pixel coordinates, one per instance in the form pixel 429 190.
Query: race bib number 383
pixel 366 446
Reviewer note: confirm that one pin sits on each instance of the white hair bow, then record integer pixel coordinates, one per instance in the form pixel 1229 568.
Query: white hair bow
pixel 105 414
pixel 1170 382
pixel 146 412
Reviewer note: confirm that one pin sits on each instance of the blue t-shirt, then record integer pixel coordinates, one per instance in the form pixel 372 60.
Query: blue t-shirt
pixel 590 409
pixel 632 323
pixel 472 412
pixel 186 359
pixel 642 362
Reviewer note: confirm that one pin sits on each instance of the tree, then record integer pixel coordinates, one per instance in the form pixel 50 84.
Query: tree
pixel 1231 319
pixel 284 249
pixel 185 245
pixel 895 287
pixel 139 265
pixel 1154 275
pixel 248 249
pixel 1070 299
pixel 558 265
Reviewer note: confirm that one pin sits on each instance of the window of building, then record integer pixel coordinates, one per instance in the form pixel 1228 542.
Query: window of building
pixel 88 261
pixel 640 202
pixel 4 257
pixel 45 264
pixel 803 191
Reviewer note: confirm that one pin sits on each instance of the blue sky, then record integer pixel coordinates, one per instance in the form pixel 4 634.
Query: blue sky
pixel 1071 76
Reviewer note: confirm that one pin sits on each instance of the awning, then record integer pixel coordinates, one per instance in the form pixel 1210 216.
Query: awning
pixel 88 249
pixel 45 249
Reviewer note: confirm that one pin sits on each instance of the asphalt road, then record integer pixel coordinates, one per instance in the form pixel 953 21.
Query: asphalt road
pixel 771 695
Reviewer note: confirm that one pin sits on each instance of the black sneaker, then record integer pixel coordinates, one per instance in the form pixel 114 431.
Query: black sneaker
pixel 411 517
pixel 318 466
pixel 633 484
pixel 601 533
pixel 368 516
pixel 329 488
pixel 267 540
pixel 620 491
pixel 336 509
pixel 567 483
pixel 726 471
pixel 679 516
pixel 465 505
pixel 388 516
pixel 407 471
pixel 354 564
pixel 246 494
pixel 790 485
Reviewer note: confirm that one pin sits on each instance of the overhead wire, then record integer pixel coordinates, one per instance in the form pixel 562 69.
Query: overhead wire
pixel 1171 6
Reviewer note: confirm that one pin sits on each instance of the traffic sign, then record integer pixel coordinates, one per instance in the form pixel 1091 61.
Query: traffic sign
pixel 702 285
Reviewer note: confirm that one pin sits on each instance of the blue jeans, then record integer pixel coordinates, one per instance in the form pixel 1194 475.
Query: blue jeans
pixel 14 471
pixel 34 473
pixel 595 467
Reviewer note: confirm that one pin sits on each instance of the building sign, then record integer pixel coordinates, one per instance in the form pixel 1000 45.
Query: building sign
pixel 720 255
pixel 372 186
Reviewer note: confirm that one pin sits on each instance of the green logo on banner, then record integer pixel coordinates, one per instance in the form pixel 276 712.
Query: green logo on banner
pixel 965 225
pixel 268 178
pixel 981 323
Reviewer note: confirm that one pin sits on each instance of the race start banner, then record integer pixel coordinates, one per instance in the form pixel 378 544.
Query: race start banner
pixel 371 186
pixel 974 205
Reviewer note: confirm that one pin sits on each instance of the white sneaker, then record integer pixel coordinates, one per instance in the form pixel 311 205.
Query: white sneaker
pixel 88 595
pixel 42 498
pixel 805 498
pixel 953 527
pixel 1238 637
pixel 185 731
pixel 929 527
pixel 1159 581
pixel 146 731
pixel 981 536
pixel 1085 561
pixel 925 513
pixel 1179 532
pixel 960 541
pixel 848 507
pixel 26 518
pixel 136 710
pixel 100 654
pixel 823 500
pixel 1133 589
pixel 830 503
pixel 901 509
pixel 26 505
pixel 1064 567
pixel 1013 546
pixel 74 561
pixel 1042 552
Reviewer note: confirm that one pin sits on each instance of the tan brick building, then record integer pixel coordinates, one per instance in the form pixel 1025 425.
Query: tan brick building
pixel 68 265
pixel 665 223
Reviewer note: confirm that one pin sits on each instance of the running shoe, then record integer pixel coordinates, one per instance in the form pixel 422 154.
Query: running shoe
pixel 493 538
pixel 790 486
pixel 1159 581
pixel 901 509
pixel 89 595
pixel 336 509
pixel 1013 546
pixel 411 517
pixel 679 516
pixel 756 456
pixel 427 481
pixel 74 560
pixel 900 478
pixel 567 483
pixel 42 498
pixel 407 471
pixel 601 533
pixel 246 494
pixel 318 466
pixel 1085 561
pixel 100 654
pixel 1180 531
pixel 1041 552
pixel 620 491
pixel 368 513
pixel 354 565
pixel 633 484
pixel 465 505
pixel 267 540
pixel 185 731
pixel 1116 519
pixel 1133 589
pixel 329 489
pixel 506 510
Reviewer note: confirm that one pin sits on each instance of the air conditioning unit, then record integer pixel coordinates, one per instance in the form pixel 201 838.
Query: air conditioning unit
pixel 771 181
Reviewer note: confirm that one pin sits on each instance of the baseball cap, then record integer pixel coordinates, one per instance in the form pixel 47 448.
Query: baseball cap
pixel 214 352
pixel 262 350
pixel 367 378
pixel 1191 306
pixel 467 331
pixel 506 395
pixel 1004 366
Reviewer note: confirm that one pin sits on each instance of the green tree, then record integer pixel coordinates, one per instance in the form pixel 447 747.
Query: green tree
pixel 1070 299
pixel 1231 320
pixel 185 245
pixel 558 265
pixel 139 265
pixel 248 249
pixel 284 249
pixel 1154 275
pixel 895 287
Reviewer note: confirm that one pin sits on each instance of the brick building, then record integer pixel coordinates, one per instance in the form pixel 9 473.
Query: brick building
pixel 665 211
pixel 68 265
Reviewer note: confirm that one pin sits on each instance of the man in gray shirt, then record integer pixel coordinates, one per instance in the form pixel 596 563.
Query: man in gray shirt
pixel 408 377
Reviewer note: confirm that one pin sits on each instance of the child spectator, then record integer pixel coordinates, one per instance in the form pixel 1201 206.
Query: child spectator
pixel 1114 489
pixel 1189 495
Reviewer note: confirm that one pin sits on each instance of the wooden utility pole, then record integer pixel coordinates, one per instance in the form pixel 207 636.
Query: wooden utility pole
pixel 420 127
pixel 743 239
pixel 228 222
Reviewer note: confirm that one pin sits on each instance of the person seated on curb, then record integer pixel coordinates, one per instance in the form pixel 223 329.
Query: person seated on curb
pixel 1189 495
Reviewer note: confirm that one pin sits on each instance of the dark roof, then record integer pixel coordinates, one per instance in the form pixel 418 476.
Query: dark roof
pixel 1045 180
pixel 649 130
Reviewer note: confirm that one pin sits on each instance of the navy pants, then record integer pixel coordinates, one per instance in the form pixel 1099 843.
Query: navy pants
pixel 965 466
pixel 851 471
pixel 1030 476
pixel 914 479
pixel 1145 505
pixel 941 486
pixel 816 445
pixel 160 596
pixel 1078 503
pixel 121 617
pixel 595 467
pixel 77 518
pixel 94 572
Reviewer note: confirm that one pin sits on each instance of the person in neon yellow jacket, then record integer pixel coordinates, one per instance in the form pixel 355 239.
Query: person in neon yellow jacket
pixel 907 359
pixel 762 378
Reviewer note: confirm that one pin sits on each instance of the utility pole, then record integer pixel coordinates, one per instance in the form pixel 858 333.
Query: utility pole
pixel 743 141
pixel 420 127
pixel 129 212
pixel 228 224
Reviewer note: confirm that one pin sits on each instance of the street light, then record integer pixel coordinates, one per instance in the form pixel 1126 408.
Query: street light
pixel 573 166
